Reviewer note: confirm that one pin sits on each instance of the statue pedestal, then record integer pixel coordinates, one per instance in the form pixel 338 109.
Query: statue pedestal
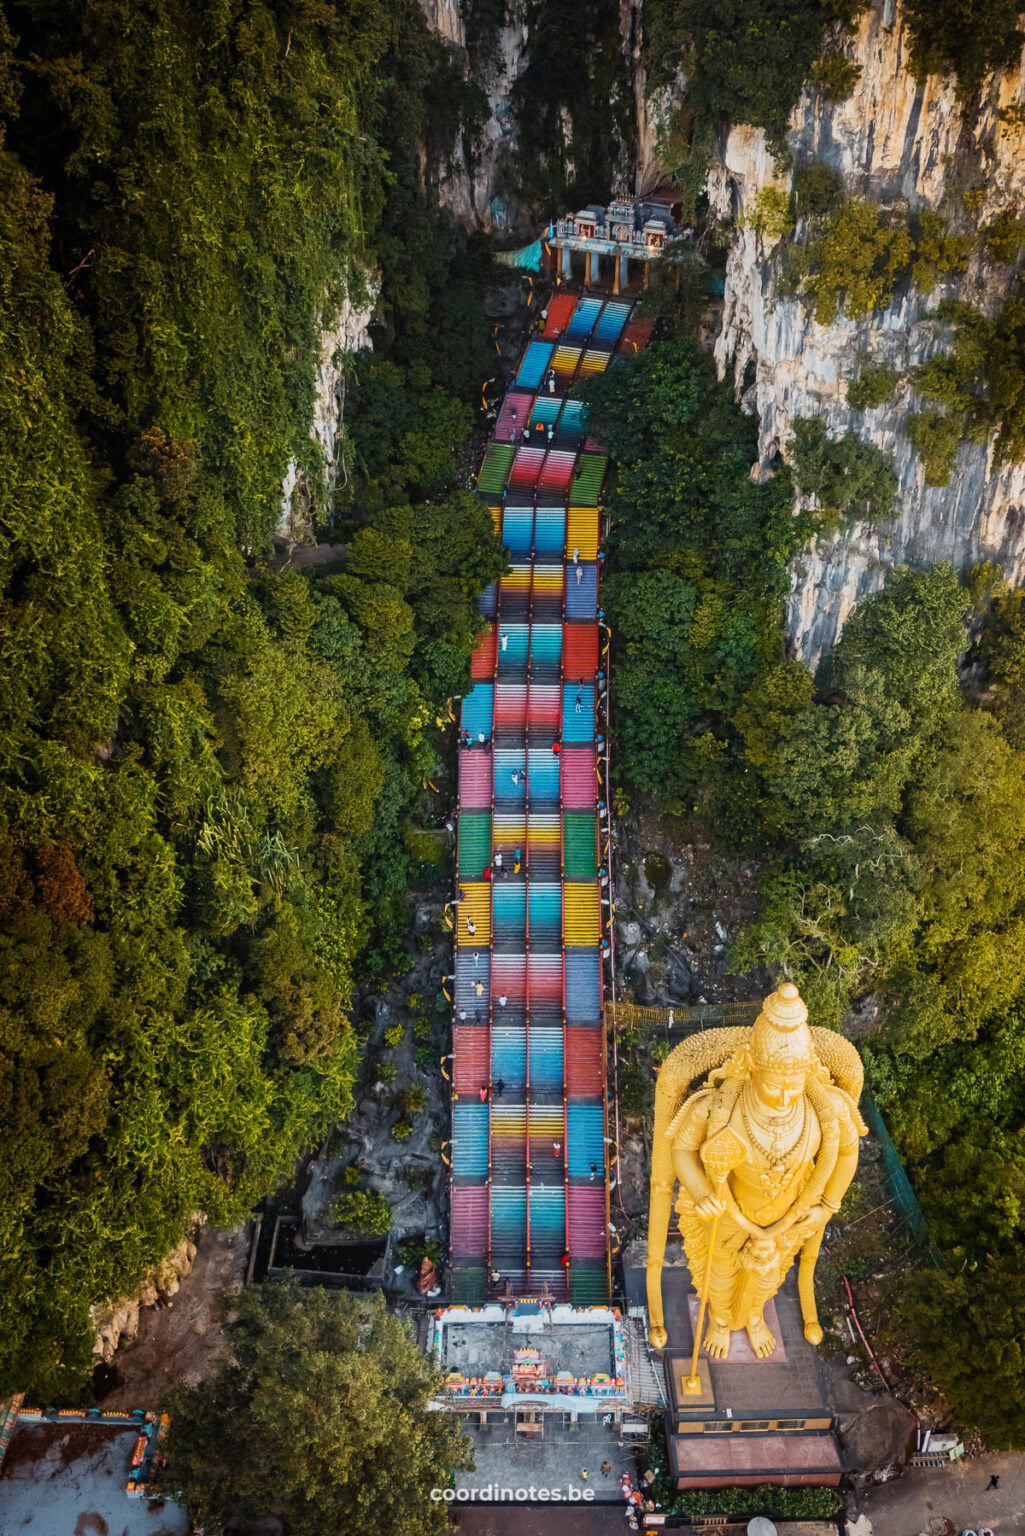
pixel 741 1352
pixel 759 1419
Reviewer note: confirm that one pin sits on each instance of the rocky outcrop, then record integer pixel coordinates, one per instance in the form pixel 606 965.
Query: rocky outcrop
pixel 897 142
pixel 117 1322
pixel 349 331
pixel 469 189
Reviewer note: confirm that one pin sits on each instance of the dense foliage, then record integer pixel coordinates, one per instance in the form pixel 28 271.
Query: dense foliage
pixel 852 263
pixel 698 562
pixel 980 385
pixel 207 765
pixel 320 1420
pixel 846 479
pixel 889 797
pixel 746 61
pixel 964 38
pixel 872 387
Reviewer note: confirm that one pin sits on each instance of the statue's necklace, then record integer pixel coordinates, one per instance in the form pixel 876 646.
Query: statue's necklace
pixel 782 1132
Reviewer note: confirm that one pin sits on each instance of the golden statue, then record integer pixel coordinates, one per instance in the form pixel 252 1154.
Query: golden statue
pixel 764 1151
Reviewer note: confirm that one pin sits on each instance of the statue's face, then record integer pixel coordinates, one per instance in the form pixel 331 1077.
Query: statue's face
pixel 778 1091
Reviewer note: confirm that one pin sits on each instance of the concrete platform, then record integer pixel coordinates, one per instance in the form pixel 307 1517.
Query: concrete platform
pixel 61 1479
pixel 787 1382
pixel 556 1461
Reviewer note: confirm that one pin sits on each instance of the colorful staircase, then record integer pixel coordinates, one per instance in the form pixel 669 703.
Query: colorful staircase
pixel 529 1115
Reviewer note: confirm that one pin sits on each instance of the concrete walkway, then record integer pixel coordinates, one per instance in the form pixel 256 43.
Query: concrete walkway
pixel 938 1501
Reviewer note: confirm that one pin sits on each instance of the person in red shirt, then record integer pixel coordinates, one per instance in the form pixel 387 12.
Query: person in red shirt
pixel 556 748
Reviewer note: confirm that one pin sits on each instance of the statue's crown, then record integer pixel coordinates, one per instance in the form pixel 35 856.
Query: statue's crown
pixel 780 1037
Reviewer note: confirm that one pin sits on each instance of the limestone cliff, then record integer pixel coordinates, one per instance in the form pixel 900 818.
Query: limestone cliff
pixel 470 190
pixel 894 140
pixel 348 332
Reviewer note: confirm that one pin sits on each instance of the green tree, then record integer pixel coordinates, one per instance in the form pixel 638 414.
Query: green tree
pixel 835 76
pixel 872 387
pixel 977 1365
pixel 771 217
pixel 848 480
pixel 320 1419
pixel 965 39
pixel 207 767
pixel 853 264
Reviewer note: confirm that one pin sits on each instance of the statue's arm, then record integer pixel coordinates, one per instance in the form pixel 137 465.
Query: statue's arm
pixel 689 1139
pixel 847 1157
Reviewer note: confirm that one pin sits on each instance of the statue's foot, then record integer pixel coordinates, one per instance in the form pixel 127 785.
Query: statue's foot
pixel 813 1332
pixel 717 1339
pixel 758 1331
pixel 657 1337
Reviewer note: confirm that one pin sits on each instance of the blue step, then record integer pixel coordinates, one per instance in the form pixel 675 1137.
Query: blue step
pixel 478 710
pixel 467 975
pixel 585 1139
pixel 546 1064
pixel 535 364
pixel 547 1212
pixel 509 1056
pixel 577 724
pixel 550 530
pixel 518 529
pixel 546 410
pixel 583 318
pixel 583 986
pixel 582 596
pixel 546 646
pixel 469 1139
pixel 509 761
pixel 543 769
pixel 512 656
pixel 611 322
pixel 572 425
pixel 508 909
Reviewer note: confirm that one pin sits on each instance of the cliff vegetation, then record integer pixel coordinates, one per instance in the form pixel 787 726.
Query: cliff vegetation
pixel 209 766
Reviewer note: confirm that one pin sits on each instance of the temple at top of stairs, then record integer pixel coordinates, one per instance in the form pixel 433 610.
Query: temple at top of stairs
pixel 629 229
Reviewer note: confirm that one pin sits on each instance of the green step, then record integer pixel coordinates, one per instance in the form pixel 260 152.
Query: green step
pixel 579 841
pixel 495 470
pixel 474 843
pixel 466 1286
pixel 587 481
pixel 588 1287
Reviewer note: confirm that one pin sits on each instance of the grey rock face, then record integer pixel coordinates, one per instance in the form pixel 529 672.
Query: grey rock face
pixel 894 140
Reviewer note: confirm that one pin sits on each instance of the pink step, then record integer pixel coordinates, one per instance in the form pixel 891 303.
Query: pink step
pixel 586 1220
pixel 579 779
pixel 471 1047
pixel 475 779
pixel 544 706
pixel 516 401
pixel 469 1221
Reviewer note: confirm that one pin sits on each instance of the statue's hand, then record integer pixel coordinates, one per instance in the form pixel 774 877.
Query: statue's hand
pixel 708 1207
pixel 817 1217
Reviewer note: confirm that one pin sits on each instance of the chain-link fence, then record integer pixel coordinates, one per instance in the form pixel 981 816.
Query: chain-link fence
pixel 899 1184
pixel 677 1022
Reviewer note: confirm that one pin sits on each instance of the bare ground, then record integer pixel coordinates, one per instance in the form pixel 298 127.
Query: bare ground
pixel 181 1342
